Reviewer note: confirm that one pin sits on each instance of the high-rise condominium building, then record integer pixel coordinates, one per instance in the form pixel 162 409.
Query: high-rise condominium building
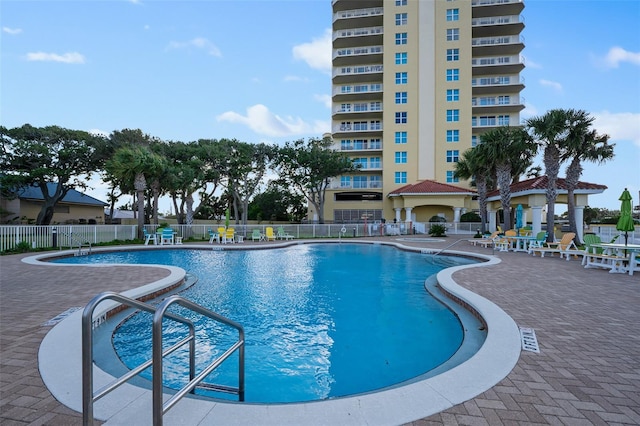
pixel 414 84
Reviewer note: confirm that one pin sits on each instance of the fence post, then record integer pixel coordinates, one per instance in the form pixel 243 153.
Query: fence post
pixel 54 237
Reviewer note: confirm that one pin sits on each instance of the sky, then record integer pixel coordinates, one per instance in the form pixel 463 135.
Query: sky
pixel 260 71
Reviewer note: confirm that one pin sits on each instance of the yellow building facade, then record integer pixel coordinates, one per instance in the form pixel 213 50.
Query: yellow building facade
pixel 414 84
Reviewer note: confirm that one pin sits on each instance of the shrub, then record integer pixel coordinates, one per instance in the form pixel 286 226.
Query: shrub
pixel 437 230
pixel 437 218
pixel 470 217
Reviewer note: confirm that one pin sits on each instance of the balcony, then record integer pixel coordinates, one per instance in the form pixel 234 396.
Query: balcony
pixel 351 74
pixel 495 46
pixel 363 129
pixel 360 145
pixel 496 7
pixel 497 25
pixel 359 92
pixel 366 17
pixel 487 65
pixel 497 104
pixel 356 55
pixel 497 84
pixel 365 36
pixel 359 109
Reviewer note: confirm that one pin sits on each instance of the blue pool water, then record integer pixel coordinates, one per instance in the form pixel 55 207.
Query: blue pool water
pixel 321 320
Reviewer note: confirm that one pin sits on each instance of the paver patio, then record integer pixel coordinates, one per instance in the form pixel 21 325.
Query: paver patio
pixel 587 323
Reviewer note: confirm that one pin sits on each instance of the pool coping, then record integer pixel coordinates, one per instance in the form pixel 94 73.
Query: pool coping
pixel 60 367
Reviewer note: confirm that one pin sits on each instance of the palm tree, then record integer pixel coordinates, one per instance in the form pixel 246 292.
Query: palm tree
pixel 505 147
pixel 130 164
pixel 550 132
pixel 472 165
pixel 582 144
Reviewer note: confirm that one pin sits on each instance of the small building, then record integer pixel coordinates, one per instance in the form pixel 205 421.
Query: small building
pixel 74 208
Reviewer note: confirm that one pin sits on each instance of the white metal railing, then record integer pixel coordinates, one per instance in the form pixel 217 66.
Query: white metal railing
pixel 497 41
pixel 497 20
pixel 356 108
pixel 358 32
pixel 356 51
pixel 496 100
pixel 358 70
pixel 496 81
pixel 497 60
pixel 358 13
pixel 490 2
pixel 357 88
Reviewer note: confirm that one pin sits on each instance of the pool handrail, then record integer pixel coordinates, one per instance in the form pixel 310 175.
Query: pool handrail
pixel 159 312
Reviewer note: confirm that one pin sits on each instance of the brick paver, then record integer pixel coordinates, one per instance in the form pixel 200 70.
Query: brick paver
pixel 586 321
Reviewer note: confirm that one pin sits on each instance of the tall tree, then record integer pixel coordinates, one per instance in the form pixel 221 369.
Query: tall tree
pixel 134 164
pixel 32 156
pixel 582 144
pixel 550 132
pixel 473 165
pixel 309 166
pixel 508 149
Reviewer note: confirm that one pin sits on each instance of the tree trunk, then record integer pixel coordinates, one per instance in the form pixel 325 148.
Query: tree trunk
pixel 155 187
pixel 573 176
pixel 481 186
pixel 140 185
pixel 552 167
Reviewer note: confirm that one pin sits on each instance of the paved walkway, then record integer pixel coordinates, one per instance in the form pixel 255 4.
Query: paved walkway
pixel 587 323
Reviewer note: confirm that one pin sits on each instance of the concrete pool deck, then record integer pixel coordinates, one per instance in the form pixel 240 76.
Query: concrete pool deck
pixel 588 371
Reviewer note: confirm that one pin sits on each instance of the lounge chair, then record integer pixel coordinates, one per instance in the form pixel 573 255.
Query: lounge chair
pixel 256 235
pixel 564 247
pixel 228 236
pixel 484 241
pixel 282 235
pixel 166 237
pixel 149 237
pixel 213 236
pixel 269 235
pixel 504 243
pixel 541 238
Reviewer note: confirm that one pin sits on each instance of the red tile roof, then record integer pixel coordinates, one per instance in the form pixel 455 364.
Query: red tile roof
pixel 539 184
pixel 431 187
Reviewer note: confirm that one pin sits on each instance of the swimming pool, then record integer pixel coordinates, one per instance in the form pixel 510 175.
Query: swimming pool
pixel 321 321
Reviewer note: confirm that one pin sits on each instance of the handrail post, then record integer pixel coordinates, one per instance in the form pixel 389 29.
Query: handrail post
pixel 157 368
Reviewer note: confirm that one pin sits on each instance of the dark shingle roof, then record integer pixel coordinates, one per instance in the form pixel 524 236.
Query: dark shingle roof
pixel 72 197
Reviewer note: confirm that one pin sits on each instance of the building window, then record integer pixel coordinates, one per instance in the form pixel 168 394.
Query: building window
pixel 453 95
pixel 345 181
pixel 401 78
pixel 401 58
pixel 474 141
pixel 453 155
pixel 401 97
pixel 375 181
pixel 453 55
pixel 401 117
pixel 453 34
pixel 401 2
pixel 359 125
pixel 401 157
pixel 503 120
pixel 453 115
pixel 360 162
pixel 376 125
pixel 453 14
pixel 375 163
pixel 346 145
pixel 359 182
pixel 401 177
pixel 401 19
pixel 453 135
pixel 451 178
pixel 401 38
pixel 401 137
pixel 452 74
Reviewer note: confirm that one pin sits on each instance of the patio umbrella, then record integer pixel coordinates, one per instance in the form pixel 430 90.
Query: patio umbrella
pixel 519 217
pixel 625 223
pixel 226 219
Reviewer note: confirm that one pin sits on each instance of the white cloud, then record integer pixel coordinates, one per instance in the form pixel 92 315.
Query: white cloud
pixel 617 54
pixel 99 132
pixel 67 58
pixel 11 31
pixel 552 84
pixel 624 126
pixel 317 53
pixel 325 99
pixel 295 78
pixel 532 64
pixel 197 43
pixel 264 122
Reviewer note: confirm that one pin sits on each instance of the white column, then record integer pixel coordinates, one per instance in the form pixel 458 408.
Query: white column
pixel 492 220
pixel 536 225
pixel 578 211
pixel 456 214
pixel 397 210
pixel 407 214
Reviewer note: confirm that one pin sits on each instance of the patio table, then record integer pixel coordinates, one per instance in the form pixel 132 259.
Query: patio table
pixel 618 258
pixel 521 243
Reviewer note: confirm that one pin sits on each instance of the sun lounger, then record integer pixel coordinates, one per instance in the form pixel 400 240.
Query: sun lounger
pixel 565 247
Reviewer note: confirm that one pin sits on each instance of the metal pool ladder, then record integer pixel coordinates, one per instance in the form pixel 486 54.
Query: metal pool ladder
pixel 159 313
